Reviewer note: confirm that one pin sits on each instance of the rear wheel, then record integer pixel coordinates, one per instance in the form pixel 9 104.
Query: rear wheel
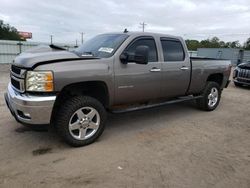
pixel 81 120
pixel 211 97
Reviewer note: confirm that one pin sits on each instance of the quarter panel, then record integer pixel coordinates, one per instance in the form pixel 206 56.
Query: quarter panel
pixel 201 69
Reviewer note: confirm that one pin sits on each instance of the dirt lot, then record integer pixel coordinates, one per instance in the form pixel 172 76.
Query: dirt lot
pixel 171 146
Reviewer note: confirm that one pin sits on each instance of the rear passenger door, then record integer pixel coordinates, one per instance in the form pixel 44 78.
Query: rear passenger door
pixel 175 68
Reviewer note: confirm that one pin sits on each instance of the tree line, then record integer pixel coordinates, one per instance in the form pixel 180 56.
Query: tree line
pixel 215 42
pixel 8 32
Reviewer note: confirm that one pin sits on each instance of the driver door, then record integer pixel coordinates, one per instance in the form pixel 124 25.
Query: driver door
pixel 137 82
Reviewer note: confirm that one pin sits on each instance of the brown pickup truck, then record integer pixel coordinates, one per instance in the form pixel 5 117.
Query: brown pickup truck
pixel 115 72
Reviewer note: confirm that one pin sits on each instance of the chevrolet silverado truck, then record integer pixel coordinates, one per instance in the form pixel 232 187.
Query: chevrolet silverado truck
pixel 114 72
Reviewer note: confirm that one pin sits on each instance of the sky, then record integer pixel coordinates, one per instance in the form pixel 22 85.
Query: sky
pixel 191 19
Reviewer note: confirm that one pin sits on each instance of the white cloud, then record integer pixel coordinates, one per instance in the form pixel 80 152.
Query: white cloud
pixel 158 28
pixel 65 19
pixel 186 5
pixel 210 28
pixel 4 17
pixel 235 7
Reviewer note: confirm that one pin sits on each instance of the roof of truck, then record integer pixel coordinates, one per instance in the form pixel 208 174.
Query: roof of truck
pixel 138 33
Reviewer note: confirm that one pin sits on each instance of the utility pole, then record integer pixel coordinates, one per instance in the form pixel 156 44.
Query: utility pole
pixel 76 44
pixel 51 39
pixel 143 24
pixel 82 36
pixel 20 46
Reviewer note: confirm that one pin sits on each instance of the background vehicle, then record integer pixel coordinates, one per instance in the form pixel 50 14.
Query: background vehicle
pixel 241 74
pixel 118 72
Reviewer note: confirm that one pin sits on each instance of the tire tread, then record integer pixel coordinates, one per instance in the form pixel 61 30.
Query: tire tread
pixel 65 112
pixel 202 102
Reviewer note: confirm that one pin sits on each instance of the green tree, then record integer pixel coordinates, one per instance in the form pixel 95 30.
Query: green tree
pixel 214 42
pixel 222 44
pixel 247 44
pixel 193 44
pixel 205 43
pixel 234 44
pixel 8 32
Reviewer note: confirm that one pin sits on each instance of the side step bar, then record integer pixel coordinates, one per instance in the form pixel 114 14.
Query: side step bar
pixel 177 100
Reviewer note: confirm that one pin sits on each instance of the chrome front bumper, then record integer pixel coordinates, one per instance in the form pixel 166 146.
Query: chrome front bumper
pixel 29 109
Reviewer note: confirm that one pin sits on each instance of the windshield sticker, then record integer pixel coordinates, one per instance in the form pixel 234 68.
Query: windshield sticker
pixel 106 49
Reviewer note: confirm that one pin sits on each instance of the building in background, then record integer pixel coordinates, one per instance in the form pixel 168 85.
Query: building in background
pixel 10 49
pixel 235 55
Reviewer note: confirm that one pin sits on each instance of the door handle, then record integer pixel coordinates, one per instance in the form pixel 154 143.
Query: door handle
pixel 184 68
pixel 154 69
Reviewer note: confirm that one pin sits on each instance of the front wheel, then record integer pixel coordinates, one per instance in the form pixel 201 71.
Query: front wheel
pixel 211 97
pixel 81 120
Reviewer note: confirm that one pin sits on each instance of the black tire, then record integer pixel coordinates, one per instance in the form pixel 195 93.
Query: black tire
pixel 203 103
pixel 238 84
pixel 65 113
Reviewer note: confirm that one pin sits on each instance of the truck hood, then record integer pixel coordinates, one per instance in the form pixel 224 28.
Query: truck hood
pixel 244 65
pixel 44 55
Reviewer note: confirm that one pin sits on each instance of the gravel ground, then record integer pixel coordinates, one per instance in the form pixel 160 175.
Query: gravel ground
pixel 171 146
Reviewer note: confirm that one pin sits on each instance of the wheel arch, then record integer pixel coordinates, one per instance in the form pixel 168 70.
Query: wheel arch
pixel 217 77
pixel 96 89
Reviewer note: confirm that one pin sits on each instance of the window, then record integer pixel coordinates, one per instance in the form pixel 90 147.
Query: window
pixel 150 43
pixel 102 46
pixel 172 50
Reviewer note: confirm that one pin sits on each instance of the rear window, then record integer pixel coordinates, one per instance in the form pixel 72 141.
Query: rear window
pixel 172 50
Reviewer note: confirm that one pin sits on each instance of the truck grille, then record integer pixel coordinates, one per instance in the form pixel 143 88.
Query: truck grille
pixel 17 76
pixel 15 69
pixel 15 84
pixel 244 73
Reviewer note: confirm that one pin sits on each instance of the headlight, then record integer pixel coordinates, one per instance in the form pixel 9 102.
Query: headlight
pixel 39 81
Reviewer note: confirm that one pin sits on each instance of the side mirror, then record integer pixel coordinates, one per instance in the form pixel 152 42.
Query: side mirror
pixel 140 56
pixel 124 57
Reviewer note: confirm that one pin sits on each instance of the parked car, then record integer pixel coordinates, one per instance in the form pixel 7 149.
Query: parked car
pixel 116 72
pixel 241 74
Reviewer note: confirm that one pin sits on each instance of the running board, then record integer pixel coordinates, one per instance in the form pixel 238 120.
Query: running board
pixel 180 99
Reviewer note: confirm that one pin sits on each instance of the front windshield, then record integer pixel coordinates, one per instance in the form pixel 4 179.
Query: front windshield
pixel 102 46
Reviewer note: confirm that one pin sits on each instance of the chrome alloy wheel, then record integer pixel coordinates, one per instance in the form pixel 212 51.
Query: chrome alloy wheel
pixel 84 123
pixel 213 97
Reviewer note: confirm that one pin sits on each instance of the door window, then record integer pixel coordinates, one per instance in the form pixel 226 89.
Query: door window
pixel 172 50
pixel 150 43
